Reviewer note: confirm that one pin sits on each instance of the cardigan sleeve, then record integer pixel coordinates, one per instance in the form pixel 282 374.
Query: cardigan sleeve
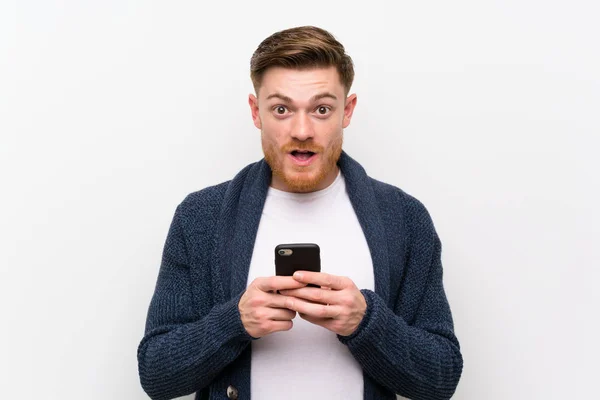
pixel 420 358
pixel 181 351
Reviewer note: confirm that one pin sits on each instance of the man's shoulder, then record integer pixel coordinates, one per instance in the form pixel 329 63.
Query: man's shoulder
pixel 208 199
pixel 394 195
pixel 395 203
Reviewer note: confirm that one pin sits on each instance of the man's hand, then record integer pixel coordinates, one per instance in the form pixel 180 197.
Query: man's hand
pixel 262 310
pixel 338 305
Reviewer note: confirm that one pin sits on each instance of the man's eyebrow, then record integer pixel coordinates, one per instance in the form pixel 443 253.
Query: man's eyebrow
pixel 312 99
pixel 322 96
pixel 279 96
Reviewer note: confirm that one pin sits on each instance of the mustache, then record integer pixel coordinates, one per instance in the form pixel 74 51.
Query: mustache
pixel 304 146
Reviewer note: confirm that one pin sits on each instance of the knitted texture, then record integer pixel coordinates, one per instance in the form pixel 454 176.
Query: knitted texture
pixel 195 340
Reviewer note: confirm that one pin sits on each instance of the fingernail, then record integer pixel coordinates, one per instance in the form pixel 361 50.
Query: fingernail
pixel 298 275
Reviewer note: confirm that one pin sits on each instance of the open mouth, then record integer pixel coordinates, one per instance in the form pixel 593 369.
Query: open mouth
pixel 302 155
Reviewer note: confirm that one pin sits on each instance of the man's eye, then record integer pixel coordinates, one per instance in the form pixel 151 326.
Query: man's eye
pixel 280 110
pixel 323 110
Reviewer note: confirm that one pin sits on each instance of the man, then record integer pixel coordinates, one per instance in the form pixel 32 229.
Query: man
pixel 221 325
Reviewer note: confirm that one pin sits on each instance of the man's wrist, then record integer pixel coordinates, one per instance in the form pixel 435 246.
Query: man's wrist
pixel 365 316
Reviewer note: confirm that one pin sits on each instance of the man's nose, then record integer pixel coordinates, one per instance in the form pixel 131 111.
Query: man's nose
pixel 303 127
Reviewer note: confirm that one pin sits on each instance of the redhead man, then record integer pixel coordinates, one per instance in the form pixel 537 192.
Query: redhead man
pixel 377 323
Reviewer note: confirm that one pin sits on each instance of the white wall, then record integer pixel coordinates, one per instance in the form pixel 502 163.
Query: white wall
pixel 112 111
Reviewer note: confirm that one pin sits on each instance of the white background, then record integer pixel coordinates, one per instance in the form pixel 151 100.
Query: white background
pixel 111 112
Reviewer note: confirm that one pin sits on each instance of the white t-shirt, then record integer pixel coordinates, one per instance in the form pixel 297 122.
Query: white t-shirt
pixel 309 362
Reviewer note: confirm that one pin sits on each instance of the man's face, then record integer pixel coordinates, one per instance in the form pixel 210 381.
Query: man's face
pixel 301 115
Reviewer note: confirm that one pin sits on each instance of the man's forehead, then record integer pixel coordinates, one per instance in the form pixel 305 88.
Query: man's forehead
pixel 318 96
pixel 310 84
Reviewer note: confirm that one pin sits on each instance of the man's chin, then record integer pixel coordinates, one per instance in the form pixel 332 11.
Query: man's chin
pixel 301 183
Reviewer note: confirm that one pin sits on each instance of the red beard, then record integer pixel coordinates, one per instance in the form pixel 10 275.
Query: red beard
pixel 298 179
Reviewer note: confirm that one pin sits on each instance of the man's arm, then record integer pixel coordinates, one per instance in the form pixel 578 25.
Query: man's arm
pixel 420 358
pixel 411 349
pixel 182 351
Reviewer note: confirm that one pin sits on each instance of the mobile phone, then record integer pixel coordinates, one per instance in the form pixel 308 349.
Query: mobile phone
pixel 293 257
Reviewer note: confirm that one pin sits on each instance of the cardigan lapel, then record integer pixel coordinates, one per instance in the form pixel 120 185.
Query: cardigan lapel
pixel 362 197
pixel 251 204
pixel 236 228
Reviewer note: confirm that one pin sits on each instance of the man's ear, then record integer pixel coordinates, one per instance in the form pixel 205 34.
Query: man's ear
pixel 349 109
pixel 253 102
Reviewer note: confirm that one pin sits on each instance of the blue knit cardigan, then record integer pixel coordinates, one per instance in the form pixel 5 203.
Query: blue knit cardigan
pixel 195 341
